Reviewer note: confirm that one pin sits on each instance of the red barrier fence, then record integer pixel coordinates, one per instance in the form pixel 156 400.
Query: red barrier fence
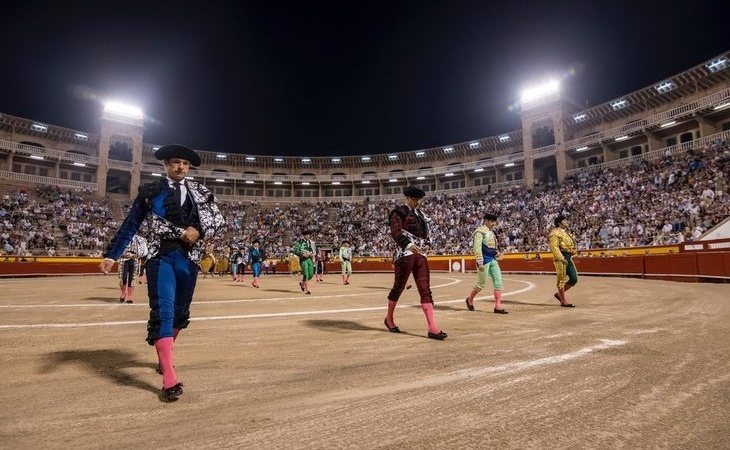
pixel 690 265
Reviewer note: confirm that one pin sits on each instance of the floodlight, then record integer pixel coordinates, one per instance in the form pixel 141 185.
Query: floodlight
pixel 621 138
pixel 619 104
pixel 220 180
pixel 581 149
pixel 81 136
pixel 189 178
pixel 724 105
pixel 450 174
pixel 504 138
pixel 668 124
pixel 716 65
pixel 249 181
pixel 580 117
pixel 509 164
pixel 305 183
pixel 251 158
pixel 278 160
pixel 40 158
pixel 155 174
pixel 39 127
pixel 448 149
pixel 306 160
pixel 365 159
pixel 336 183
pixel 664 87
pixel 78 164
pixel 420 178
pixel 479 169
pixel 392 157
pixel 336 160
pixel 474 145
pixel 122 109
pixel 277 182
pixel 420 153
pixel 365 181
pixel 393 180
pixel 533 94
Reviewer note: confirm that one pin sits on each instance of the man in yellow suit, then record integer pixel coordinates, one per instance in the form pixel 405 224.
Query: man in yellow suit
pixel 562 246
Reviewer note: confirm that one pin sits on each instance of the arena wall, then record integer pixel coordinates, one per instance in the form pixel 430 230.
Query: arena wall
pixel 691 264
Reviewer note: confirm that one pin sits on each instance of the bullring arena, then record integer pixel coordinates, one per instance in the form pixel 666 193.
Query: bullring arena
pixel 642 361
pixel 638 363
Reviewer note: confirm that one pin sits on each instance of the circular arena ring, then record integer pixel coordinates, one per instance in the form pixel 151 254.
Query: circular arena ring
pixel 638 363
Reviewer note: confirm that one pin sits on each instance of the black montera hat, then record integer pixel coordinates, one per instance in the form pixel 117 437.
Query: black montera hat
pixel 178 151
pixel 413 192
pixel 559 219
pixel 489 216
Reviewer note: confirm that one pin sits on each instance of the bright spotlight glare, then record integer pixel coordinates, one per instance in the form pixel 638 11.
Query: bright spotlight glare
pixel 121 109
pixel 539 92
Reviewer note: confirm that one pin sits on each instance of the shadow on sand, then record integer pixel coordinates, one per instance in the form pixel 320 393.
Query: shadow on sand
pixel 109 363
pixel 349 325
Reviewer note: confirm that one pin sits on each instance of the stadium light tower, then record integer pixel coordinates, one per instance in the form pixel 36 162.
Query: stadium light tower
pixel 540 93
pixel 122 112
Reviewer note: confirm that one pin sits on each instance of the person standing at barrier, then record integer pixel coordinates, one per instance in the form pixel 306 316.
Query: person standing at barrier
pixel 346 261
pixel 409 229
pixel 486 254
pixel 180 214
pixel 255 257
pixel 321 265
pixel 563 247
pixel 305 249
pixel 128 267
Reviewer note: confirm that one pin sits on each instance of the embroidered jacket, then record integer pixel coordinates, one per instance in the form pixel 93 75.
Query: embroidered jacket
pixel 305 248
pixel 485 245
pixel 166 219
pixel 562 244
pixel 407 226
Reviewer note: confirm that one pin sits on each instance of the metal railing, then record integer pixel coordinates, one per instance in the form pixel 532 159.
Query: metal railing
pixel 33 150
pixel 37 179
pixel 662 117
pixel 654 154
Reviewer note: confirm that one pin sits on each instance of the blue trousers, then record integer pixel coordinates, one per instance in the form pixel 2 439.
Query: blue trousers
pixel 256 268
pixel 171 282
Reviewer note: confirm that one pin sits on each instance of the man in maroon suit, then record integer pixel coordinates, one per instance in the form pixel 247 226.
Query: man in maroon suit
pixel 410 231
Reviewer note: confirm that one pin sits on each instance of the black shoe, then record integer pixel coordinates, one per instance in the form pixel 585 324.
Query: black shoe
pixel 439 336
pixel 130 301
pixel 392 330
pixel 468 306
pixel 500 311
pixel 567 305
pixel 172 393
pixel 307 292
pixel 121 299
pixel 301 285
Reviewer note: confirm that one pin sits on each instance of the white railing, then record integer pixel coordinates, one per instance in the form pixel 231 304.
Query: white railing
pixel 119 165
pixel 36 179
pixel 663 117
pixel 47 153
pixel 359 198
pixel 654 154
pixel 544 151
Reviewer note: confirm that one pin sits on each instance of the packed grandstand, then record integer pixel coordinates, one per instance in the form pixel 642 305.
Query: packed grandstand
pixel 646 169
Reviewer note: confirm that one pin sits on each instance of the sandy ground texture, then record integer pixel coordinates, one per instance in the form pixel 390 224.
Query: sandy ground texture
pixel 637 364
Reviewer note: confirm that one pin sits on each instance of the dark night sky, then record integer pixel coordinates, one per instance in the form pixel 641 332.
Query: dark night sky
pixel 319 78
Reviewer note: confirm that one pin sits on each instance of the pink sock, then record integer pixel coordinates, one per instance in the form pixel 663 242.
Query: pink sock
pixel 472 294
pixel 391 311
pixel 428 311
pixel 122 291
pixel 497 299
pixel 130 292
pixel 164 352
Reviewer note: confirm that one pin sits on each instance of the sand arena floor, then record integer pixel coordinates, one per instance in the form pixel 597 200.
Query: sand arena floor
pixel 637 364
